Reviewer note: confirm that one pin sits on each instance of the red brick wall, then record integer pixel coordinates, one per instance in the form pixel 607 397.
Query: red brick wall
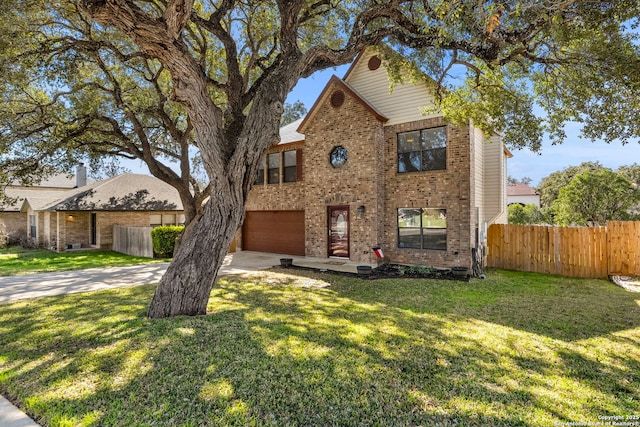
pixel 449 189
pixel 370 179
pixel 356 183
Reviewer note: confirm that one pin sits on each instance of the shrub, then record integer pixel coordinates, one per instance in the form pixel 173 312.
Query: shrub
pixel 164 239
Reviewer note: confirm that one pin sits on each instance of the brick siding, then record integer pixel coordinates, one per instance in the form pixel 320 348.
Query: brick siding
pixel 369 178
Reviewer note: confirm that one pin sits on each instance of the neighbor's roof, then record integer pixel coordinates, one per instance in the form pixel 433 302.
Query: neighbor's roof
pixel 126 192
pixel 60 180
pixel 37 196
pixel 521 190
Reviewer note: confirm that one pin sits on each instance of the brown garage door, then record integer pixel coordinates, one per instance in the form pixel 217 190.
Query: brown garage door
pixel 280 232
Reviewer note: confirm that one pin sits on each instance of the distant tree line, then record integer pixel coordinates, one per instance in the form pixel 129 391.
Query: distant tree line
pixel 588 195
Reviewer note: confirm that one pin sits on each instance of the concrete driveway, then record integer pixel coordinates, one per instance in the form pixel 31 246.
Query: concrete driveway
pixel 15 288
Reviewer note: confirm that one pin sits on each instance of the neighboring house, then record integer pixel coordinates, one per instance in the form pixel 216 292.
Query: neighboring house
pixel 366 168
pixel 60 218
pixel 522 194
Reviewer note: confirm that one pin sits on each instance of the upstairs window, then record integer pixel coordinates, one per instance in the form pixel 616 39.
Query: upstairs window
pixel 260 174
pixel 273 168
pixel 281 167
pixel 289 162
pixel 422 150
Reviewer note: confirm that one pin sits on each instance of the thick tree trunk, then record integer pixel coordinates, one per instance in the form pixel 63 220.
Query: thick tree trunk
pixel 185 287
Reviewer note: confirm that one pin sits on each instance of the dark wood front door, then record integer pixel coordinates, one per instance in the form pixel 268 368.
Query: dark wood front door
pixel 338 225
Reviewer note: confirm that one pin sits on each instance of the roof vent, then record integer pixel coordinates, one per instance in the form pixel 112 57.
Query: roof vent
pixel 337 98
pixel 374 62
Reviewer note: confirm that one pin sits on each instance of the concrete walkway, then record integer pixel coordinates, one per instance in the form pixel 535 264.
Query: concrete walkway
pixel 16 288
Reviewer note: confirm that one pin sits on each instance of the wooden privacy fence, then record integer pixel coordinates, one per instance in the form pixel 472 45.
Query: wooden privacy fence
pixel 133 240
pixel 597 252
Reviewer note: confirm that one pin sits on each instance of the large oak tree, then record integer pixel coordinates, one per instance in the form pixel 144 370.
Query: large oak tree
pixel 71 94
pixel 230 65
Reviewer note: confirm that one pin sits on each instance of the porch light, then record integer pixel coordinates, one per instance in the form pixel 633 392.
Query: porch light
pixel 69 217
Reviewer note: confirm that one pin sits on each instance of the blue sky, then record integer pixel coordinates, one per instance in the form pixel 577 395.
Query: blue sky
pixel 524 163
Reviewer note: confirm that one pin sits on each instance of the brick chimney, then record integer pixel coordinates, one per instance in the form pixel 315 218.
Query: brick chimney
pixel 81 175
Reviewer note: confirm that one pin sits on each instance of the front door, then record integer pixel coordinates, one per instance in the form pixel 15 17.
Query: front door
pixel 338 226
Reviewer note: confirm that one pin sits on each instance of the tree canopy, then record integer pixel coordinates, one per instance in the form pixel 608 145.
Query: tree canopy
pixel 172 79
pixel 293 112
pixel 551 185
pixel 593 198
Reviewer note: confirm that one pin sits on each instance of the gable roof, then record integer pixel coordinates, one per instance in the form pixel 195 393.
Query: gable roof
pixel 126 192
pixel 334 80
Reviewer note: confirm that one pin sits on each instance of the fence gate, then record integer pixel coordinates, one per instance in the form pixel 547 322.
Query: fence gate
pixel 624 248
pixel 134 241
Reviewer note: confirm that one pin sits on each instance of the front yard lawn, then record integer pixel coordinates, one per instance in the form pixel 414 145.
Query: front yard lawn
pixel 278 349
pixel 15 260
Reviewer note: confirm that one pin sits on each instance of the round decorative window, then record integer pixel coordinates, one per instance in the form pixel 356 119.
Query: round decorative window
pixel 338 156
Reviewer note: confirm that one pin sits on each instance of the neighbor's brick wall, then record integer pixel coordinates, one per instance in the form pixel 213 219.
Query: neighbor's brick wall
pixel 79 230
pixel 449 189
pixel 15 223
pixel 356 183
pixel 74 231
pixel 106 221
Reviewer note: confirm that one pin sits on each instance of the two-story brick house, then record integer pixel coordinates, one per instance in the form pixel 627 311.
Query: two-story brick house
pixel 367 168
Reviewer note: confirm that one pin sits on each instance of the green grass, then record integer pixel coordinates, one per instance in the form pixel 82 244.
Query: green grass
pixel 277 349
pixel 15 260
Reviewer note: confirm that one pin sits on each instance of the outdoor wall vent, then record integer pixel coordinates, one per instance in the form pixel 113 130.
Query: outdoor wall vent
pixel 337 99
pixel 374 63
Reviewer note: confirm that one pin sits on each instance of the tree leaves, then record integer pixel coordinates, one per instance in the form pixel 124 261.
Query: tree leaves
pixel 593 198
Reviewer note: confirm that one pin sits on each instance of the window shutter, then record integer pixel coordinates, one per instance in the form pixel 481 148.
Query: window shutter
pixel 299 164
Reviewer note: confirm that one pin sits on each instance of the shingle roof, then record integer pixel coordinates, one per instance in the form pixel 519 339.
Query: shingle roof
pixel 289 133
pixel 521 190
pixel 126 192
pixel 38 197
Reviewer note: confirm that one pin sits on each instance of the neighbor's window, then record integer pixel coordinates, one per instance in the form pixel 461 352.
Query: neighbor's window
pixel 273 171
pixel 290 170
pixel 260 174
pixel 32 226
pixel 422 228
pixel 155 220
pixel 422 150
